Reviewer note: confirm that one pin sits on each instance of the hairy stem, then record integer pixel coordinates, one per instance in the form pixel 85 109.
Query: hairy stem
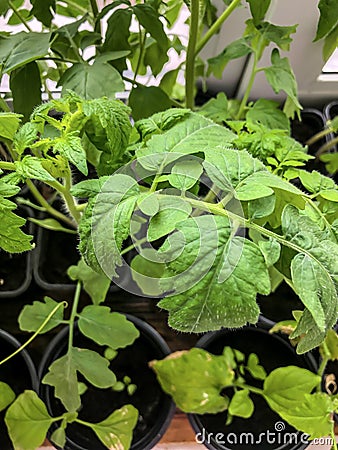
pixel 44 323
pixel 43 202
pixel 73 315
pixel 216 26
pixel 327 146
pixel 316 137
pixel 190 61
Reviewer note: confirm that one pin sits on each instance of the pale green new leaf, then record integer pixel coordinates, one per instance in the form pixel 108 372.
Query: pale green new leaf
pixel 9 123
pixel 241 404
pixel 107 328
pixel 28 421
pixel 106 223
pixel 88 188
pixel 7 395
pixel 62 375
pixel 70 147
pixel 31 167
pixel 95 284
pixel 185 174
pixel 217 277
pixel 32 316
pixel 116 431
pixel 201 393
pixel 253 366
pixel 237 49
pixel 25 137
pixel 330 347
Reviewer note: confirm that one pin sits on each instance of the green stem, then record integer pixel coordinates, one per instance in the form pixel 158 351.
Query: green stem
pixel 43 202
pixel 77 7
pixel 190 61
pixel 132 246
pixel 142 40
pixel 7 165
pixel 327 146
pixel 253 389
pixel 19 16
pixel 44 323
pixel 316 137
pixel 73 315
pixel 248 89
pixel 333 436
pixel 216 26
pixel 95 11
pixel 69 199
pixel 4 106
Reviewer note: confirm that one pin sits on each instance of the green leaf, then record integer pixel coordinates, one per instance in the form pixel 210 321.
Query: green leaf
pixel 222 267
pixel 28 421
pixel 116 431
pixel 185 174
pixel 22 48
pixel 328 19
pixel 193 134
pixel 315 182
pixel 285 387
pixel 25 137
pixel 70 146
pixel 25 84
pixel 106 223
pixel 62 375
pixel 255 369
pixel 95 284
pixel 253 191
pixel 318 260
pixel 107 328
pixel 160 122
pixel 88 188
pixel 31 167
pixel 267 113
pixel 172 210
pixel 278 34
pixel 281 77
pixel 331 162
pixel 201 393
pixel 330 347
pixel 330 44
pixel 216 109
pixel 32 316
pixel 58 437
pixel 237 49
pixel 146 272
pixel 241 404
pixel 7 395
pixel 258 9
pixel 42 10
pixel 149 204
pixel 148 17
pixel 9 123
pixel 147 100
pixel 92 81
pixel 12 238
pixel 271 251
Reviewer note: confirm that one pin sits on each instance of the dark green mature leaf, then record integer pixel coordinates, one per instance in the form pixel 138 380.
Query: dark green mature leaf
pixel 28 421
pixel 216 281
pixel 62 375
pixel 148 17
pixel 330 44
pixel 31 167
pixel 160 122
pixel 241 404
pixel 281 77
pixel 116 431
pixel 32 316
pixel 117 35
pixel 92 81
pixel 267 113
pixel 9 123
pixel 42 10
pixel 12 238
pixel 216 109
pixel 106 223
pixel 201 393
pixel 108 128
pixel 258 9
pixel 95 284
pixel 147 100
pixel 193 134
pixel 237 49
pixel 25 84
pixel 70 146
pixel 107 328
pixel 22 48
pixel 328 18
pixel 7 395
pixel 317 259
pixel 280 35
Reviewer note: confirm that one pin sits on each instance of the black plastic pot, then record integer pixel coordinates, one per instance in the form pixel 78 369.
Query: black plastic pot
pixel 155 408
pixel 16 268
pixel 19 372
pixel 312 122
pixel 273 351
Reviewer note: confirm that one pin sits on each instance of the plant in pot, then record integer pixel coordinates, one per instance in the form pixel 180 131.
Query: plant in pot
pixel 242 395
